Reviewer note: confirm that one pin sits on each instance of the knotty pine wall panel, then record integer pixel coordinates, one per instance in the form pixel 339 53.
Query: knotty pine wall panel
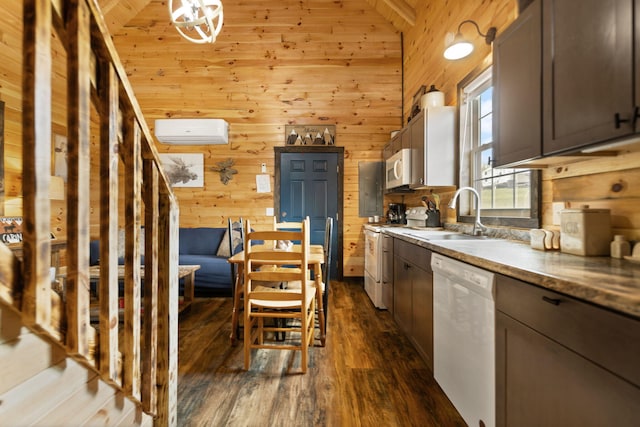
pixel 313 62
pixel 425 65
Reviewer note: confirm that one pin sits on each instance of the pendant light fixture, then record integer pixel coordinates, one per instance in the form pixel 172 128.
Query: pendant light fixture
pixel 198 21
pixel 461 47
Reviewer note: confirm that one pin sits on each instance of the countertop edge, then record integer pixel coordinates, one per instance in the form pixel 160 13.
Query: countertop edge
pixel 550 270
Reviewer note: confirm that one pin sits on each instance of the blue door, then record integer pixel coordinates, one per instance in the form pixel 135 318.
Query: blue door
pixel 309 186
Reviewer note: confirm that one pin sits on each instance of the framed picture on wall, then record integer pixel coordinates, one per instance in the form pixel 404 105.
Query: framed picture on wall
pixel 60 156
pixel 184 170
pixel 11 229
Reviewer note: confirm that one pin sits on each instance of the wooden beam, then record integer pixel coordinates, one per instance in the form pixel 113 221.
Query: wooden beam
pixel 133 208
pixel 168 224
pixel 403 9
pixel 79 131
pixel 36 154
pixel 150 194
pixel 108 289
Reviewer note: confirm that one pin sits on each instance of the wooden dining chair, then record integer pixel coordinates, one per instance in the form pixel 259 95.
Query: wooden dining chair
pixel 235 241
pixel 322 292
pixel 287 225
pixel 291 310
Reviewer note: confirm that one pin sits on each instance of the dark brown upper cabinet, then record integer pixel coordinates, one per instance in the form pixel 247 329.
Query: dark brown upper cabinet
pixel 517 89
pixel 588 72
pixel 565 78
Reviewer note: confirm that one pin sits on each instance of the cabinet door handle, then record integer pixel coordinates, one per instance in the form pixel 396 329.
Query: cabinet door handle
pixel 620 120
pixel 406 266
pixel 553 301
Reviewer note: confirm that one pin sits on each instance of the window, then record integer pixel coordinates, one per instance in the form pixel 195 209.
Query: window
pixel 507 196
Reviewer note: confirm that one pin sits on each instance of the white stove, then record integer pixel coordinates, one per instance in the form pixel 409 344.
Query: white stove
pixel 373 262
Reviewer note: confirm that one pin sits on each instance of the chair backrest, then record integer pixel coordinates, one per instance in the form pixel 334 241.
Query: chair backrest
pixel 257 256
pixel 235 234
pixel 287 225
pixel 328 258
pixel 235 238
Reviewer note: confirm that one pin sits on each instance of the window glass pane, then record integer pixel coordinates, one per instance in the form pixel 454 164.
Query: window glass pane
pixel 486 194
pixel 505 194
pixel 485 168
pixel 486 102
pixel 523 190
pixel 486 135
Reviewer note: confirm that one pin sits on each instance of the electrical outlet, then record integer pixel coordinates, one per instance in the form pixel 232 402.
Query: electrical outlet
pixel 557 208
pixel 264 168
pixel 269 211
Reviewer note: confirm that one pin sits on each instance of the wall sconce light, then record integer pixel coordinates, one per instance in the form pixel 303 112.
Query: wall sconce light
pixel 198 21
pixel 461 47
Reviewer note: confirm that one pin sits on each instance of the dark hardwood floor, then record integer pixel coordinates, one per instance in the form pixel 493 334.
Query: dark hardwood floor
pixel 368 374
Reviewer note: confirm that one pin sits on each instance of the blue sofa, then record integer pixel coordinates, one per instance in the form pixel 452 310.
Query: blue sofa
pixel 205 246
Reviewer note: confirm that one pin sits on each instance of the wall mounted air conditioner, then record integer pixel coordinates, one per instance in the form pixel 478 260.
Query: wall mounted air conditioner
pixel 192 131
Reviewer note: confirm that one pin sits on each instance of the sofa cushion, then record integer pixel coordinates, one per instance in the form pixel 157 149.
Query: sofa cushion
pixel 214 272
pixel 223 250
pixel 200 241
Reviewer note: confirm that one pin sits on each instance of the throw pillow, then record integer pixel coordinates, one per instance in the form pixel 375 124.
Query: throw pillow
pixel 223 249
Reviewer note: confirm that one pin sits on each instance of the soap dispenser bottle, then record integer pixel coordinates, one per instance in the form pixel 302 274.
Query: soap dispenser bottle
pixel 620 247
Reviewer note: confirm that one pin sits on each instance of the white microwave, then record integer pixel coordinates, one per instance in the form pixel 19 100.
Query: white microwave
pixel 398 169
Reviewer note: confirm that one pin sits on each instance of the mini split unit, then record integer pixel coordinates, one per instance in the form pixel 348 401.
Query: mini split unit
pixel 192 131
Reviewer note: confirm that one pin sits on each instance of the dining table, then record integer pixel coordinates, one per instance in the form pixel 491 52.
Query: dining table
pixel 316 259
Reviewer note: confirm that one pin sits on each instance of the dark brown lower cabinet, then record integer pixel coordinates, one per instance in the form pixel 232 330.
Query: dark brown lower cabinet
pixel 387 272
pixel 563 362
pixel 413 295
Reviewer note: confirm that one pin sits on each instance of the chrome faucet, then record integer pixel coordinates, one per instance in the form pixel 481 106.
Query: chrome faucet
pixel 478 228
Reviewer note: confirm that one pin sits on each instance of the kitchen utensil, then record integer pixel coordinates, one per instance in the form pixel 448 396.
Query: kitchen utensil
pixel 436 200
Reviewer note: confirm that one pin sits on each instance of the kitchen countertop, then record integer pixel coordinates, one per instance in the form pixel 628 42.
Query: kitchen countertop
pixel 604 281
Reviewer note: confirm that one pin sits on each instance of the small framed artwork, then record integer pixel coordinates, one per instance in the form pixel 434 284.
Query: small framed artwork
pixel 60 156
pixel 184 170
pixel 11 229
pixel 310 134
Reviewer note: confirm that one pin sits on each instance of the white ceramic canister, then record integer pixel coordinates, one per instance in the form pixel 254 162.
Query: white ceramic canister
pixel 433 98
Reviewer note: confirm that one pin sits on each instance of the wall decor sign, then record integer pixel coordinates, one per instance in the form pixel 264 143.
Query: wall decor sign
pixel 225 170
pixel 11 229
pixel 184 170
pixel 310 134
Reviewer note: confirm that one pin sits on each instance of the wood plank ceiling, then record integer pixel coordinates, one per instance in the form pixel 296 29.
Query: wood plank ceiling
pixel 400 13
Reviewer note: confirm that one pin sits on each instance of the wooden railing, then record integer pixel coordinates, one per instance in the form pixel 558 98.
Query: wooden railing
pixel 95 75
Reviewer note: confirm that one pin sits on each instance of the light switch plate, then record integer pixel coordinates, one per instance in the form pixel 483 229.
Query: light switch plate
pixel 269 212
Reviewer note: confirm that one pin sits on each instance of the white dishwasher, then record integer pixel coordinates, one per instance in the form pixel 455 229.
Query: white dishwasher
pixel 464 337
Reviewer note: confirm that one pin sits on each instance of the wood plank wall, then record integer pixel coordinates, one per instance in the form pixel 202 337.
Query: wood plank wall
pixel 314 62
pixel 290 62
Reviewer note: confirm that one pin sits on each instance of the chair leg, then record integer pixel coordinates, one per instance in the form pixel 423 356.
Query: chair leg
pixel 321 321
pixel 247 337
pixel 235 327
